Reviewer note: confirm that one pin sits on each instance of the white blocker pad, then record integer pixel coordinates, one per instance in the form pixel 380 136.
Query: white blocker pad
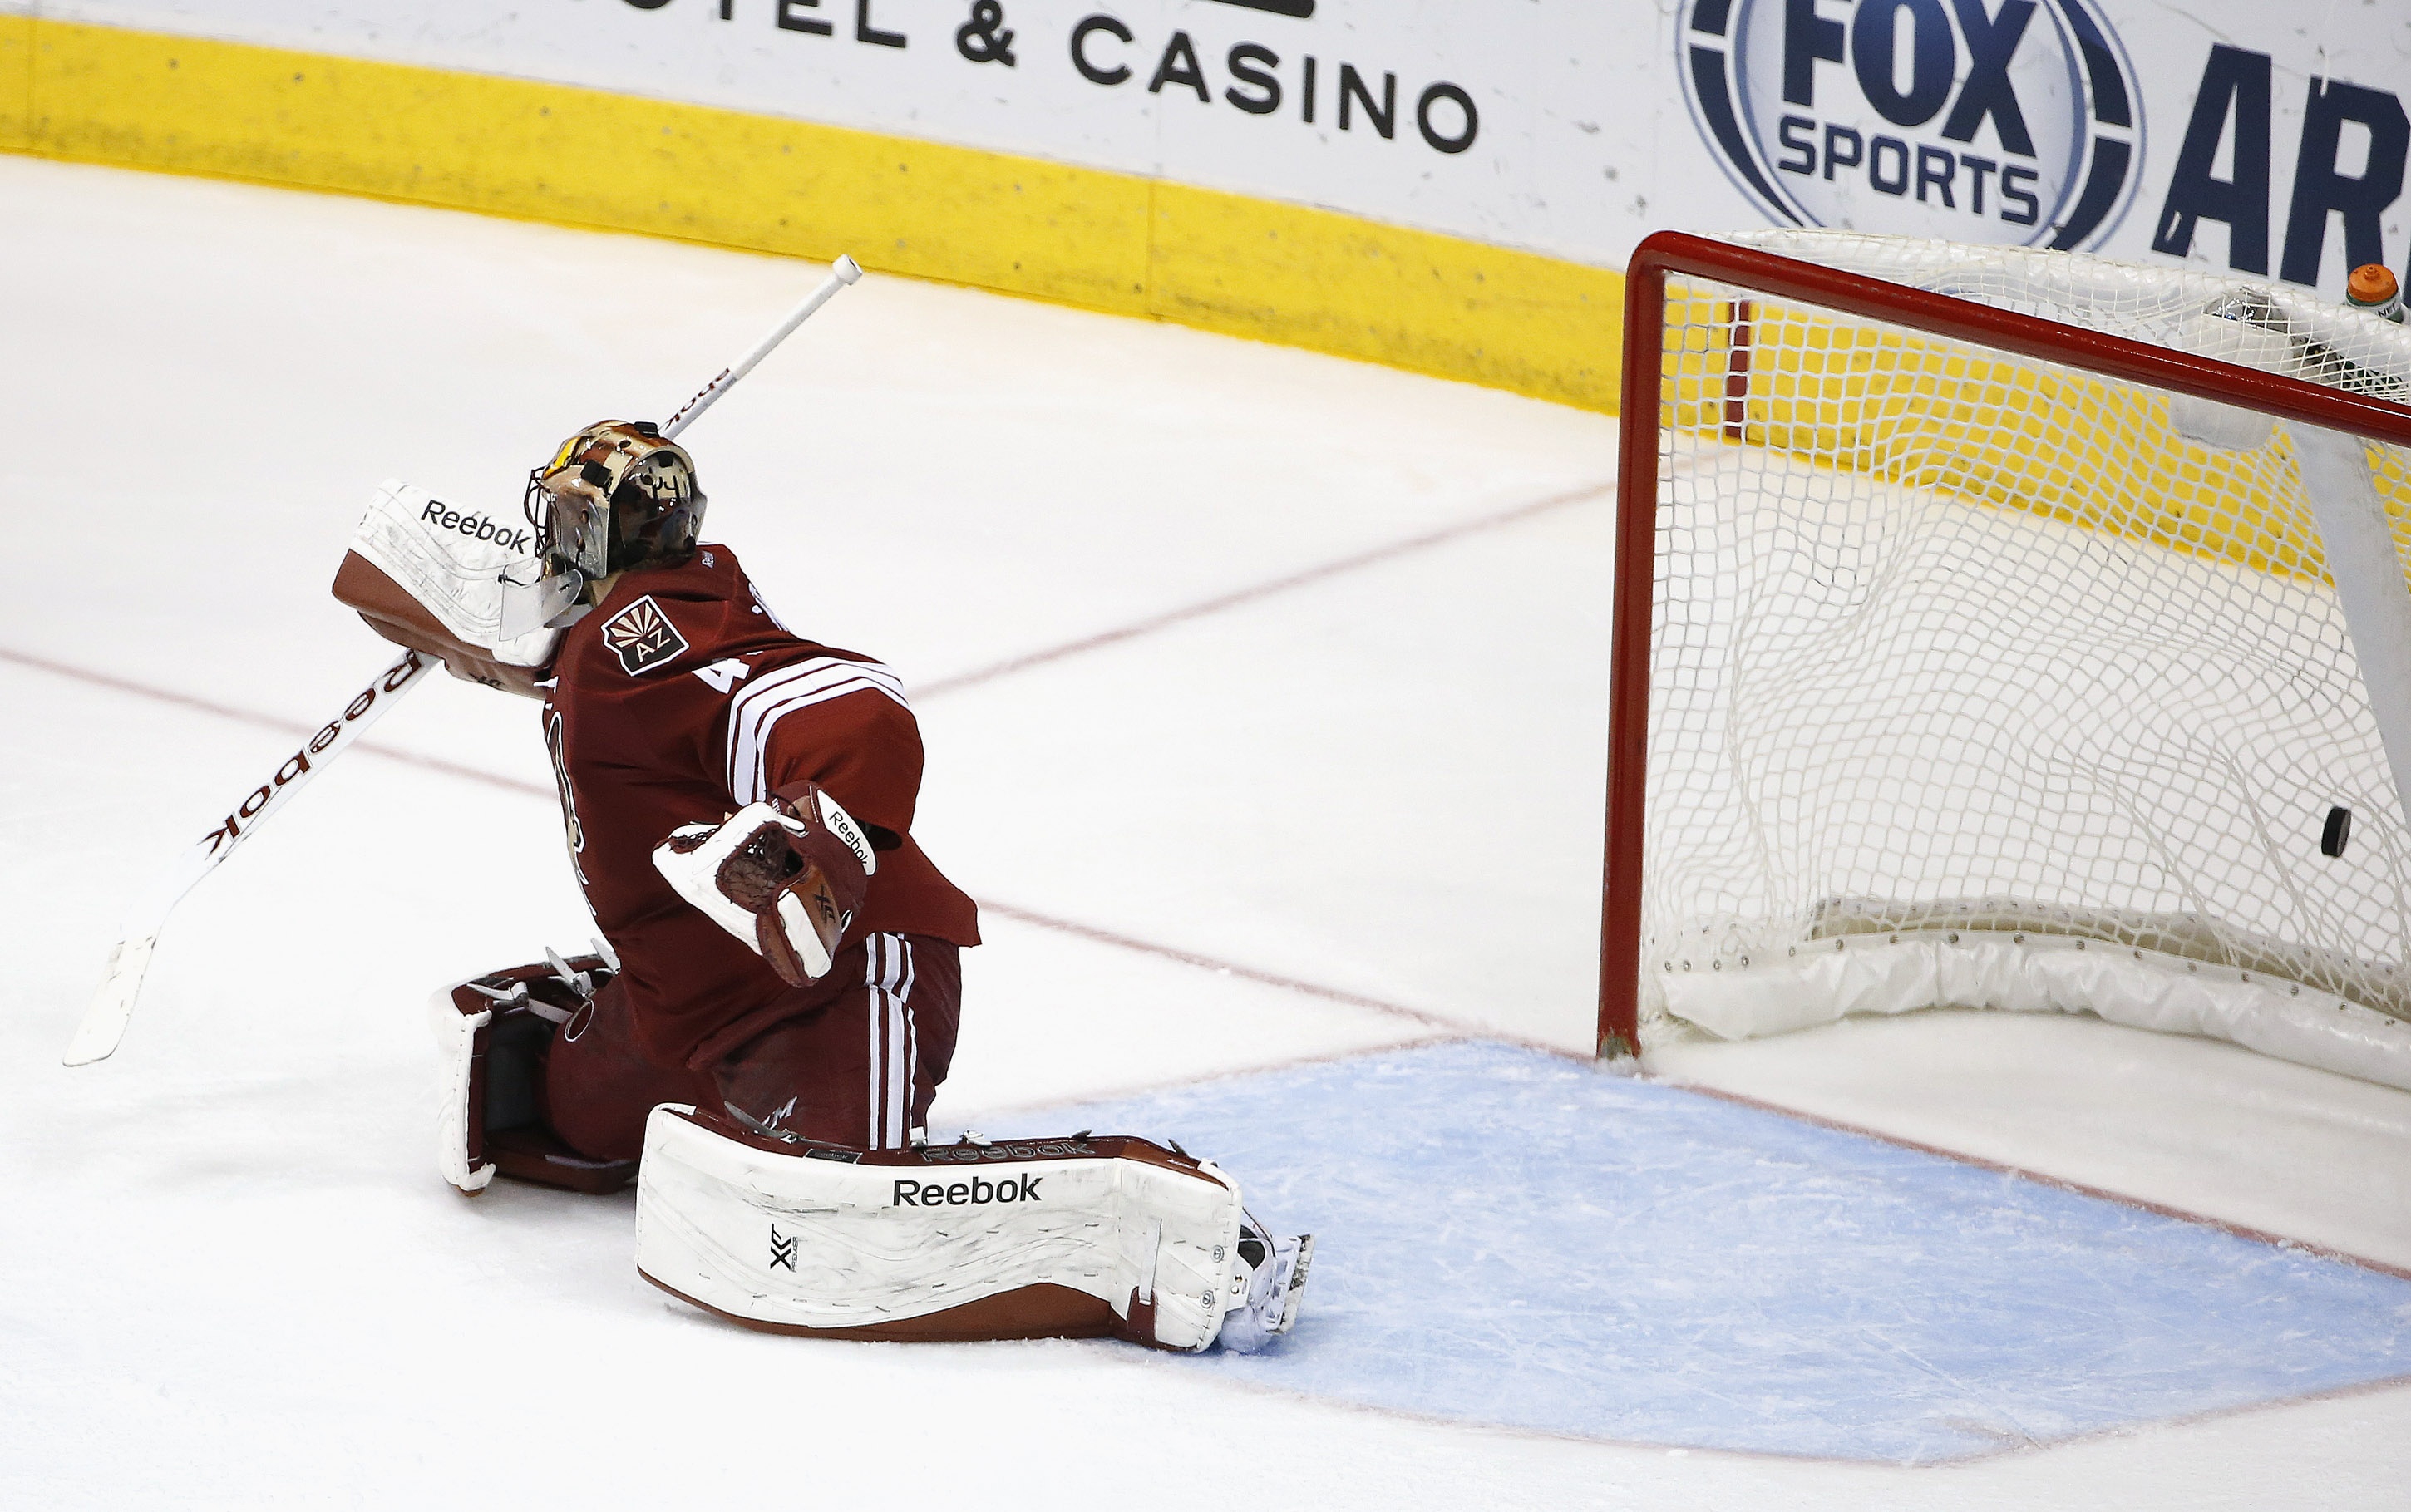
pixel 1022 1239
pixel 452 559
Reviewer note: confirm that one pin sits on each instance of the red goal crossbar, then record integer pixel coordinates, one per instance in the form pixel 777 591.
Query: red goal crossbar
pixel 1766 274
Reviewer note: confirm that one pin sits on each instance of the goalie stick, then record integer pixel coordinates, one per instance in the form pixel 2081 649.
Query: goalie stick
pixel 104 1023
pixel 103 1026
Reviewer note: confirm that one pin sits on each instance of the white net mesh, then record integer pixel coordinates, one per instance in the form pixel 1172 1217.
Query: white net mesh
pixel 1978 681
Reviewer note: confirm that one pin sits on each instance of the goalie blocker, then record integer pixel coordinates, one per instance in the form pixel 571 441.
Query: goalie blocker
pixel 453 584
pixel 1076 1237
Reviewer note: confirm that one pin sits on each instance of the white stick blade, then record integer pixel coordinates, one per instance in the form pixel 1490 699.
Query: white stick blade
pixel 104 1023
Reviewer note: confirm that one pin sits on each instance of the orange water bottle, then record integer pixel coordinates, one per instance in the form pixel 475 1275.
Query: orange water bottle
pixel 2372 288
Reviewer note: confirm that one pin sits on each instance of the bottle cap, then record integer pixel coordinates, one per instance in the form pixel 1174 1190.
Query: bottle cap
pixel 2371 284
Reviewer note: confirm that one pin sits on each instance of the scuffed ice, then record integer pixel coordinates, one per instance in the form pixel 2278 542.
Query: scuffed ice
pixel 1506 1236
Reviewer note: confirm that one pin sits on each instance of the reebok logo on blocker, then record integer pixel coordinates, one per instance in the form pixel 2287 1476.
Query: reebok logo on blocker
pixel 443 517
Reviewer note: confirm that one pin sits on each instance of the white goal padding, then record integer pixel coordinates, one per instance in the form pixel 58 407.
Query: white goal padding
pixel 2022 973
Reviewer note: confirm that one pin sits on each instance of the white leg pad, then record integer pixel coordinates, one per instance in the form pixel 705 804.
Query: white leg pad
pixel 805 1238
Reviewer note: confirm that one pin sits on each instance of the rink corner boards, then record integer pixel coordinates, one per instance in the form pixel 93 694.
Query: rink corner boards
pixel 1112 241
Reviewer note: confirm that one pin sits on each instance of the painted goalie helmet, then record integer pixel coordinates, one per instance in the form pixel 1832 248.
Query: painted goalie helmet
pixel 615 495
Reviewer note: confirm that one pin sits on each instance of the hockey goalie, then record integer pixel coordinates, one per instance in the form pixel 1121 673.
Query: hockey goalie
pixel 774 1001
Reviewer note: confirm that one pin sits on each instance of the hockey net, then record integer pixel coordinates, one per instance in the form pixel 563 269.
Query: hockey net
pixel 2012 630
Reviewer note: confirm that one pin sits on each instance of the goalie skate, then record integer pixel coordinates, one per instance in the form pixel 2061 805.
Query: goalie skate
pixel 1059 1238
pixel 1275 1277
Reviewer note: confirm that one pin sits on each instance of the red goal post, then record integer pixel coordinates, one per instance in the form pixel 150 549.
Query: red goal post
pixel 1650 365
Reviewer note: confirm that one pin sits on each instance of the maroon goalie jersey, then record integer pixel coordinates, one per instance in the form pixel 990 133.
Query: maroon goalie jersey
pixel 679 699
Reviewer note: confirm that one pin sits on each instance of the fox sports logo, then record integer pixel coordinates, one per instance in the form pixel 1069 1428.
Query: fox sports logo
pixel 2013 122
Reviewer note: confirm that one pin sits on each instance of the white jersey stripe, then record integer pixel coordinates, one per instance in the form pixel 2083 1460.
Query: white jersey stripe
pixel 895 1039
pixel 912 1048
pixel 746 779
pixel 899 1095
pixel 894 1130
pixel 759 704
pixel 886 975
pixel 814 666
pixel 815 675
pixel 878 1024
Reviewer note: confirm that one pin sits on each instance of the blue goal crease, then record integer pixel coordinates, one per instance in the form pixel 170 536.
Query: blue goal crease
pixel 1506 1236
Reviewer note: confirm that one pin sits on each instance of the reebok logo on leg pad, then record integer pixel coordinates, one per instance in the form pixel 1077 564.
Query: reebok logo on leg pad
pixel 914 1193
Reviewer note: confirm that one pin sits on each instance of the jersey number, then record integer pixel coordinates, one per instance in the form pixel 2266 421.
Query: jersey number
pixel 577 832
pixel 723 675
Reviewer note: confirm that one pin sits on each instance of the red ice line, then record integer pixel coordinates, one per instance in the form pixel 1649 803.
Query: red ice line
pixel 1208 963
pixel 263 721
pixel 1445 534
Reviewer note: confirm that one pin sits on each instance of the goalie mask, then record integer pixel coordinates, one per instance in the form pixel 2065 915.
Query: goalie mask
pixel 615 497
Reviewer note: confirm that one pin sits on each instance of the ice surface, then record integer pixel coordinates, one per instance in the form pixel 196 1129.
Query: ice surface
pixel 2198 1124
pixel 1509 1237
pixel 232 1275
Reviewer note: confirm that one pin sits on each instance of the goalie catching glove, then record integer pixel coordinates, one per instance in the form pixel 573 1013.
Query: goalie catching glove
pixel 784 876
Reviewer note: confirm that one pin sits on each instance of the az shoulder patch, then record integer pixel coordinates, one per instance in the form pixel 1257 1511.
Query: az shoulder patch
pixel 643 636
